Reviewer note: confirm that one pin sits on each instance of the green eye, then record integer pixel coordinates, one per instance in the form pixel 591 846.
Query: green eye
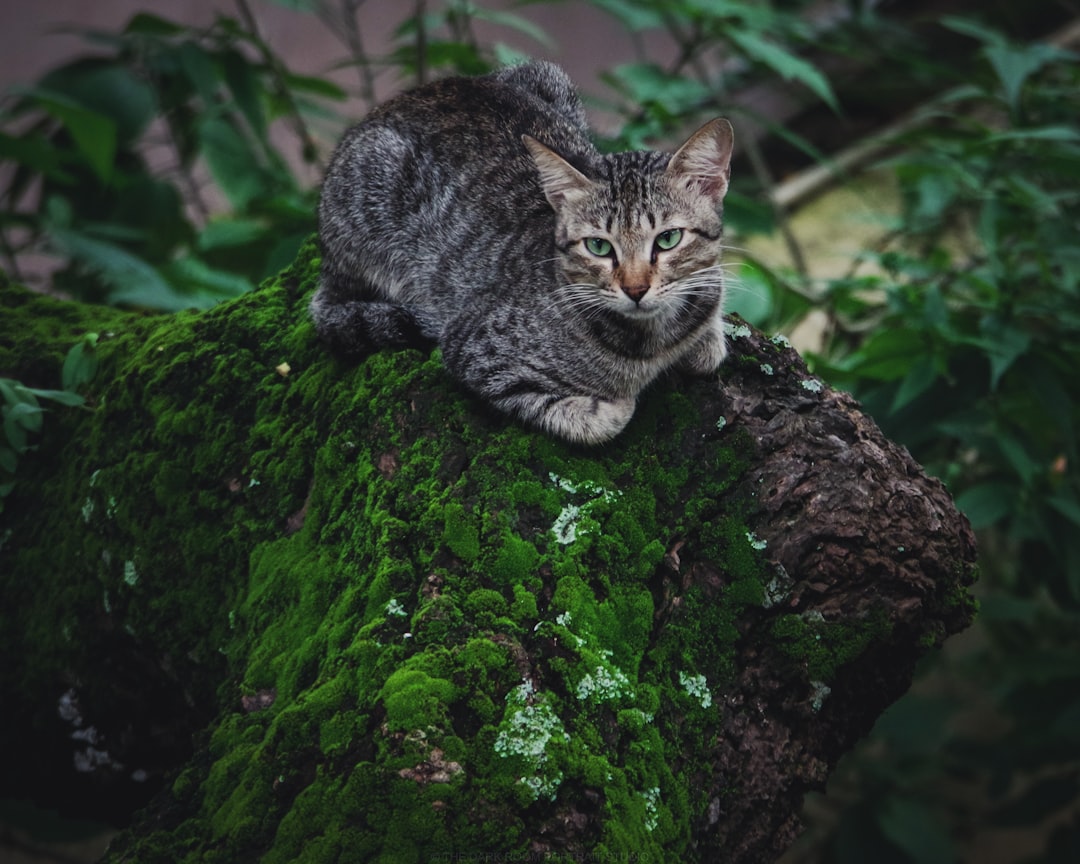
pixel 599 247
pixel 668 239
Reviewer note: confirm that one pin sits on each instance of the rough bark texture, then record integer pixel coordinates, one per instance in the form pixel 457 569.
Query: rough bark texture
pixel 347 614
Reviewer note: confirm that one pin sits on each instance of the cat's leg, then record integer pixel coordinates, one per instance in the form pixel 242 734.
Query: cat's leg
pixel 357 327
pixel 709 351
pixel 581 419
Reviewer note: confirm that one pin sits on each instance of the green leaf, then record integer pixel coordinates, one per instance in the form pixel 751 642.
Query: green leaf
pixel 244 85
pixel 34 152
pixel 1067 506
pixel 514 22
pixel 200 70
pixel 230 160
pixel 80 364
pixel 1004 344
pixel 315 86
pixel 94 133
pixel 912 826
pixel 751 294
pixel 9 460
pixel 1043 797
pixel 130 278
pixel 1014 64
pixel 109 89
pixel 647 83
pixel 224 233
pixel 194 275
pixel 147 24
pixel 920 378
pixel 1016 455
pixel 1043 133
pixel 784 63
pixel 888 355
pixel 25 415
pixel 635 17
pixel 987 503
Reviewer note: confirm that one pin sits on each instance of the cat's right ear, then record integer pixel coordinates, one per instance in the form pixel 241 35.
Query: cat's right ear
pixel 558 178
pixel 704 161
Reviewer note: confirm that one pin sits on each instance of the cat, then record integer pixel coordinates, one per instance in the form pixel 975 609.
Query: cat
pixel 474 212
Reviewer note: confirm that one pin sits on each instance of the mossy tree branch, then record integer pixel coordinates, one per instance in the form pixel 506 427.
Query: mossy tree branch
pixel 398 627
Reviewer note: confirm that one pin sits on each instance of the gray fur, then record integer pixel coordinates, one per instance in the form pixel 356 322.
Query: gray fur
pixel 458 213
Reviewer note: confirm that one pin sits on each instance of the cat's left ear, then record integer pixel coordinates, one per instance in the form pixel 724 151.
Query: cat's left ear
pixel 559 179
pixel 704 161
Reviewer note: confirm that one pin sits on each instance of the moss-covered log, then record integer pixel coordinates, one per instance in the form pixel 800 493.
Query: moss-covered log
pixel 345 613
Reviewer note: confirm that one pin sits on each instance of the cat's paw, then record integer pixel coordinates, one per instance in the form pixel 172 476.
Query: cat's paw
pixel 587 419
pixel 706 355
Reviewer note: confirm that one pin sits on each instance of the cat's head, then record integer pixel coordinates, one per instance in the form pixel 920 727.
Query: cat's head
pixel 642 237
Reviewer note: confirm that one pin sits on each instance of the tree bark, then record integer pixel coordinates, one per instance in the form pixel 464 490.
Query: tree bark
pixel 345 612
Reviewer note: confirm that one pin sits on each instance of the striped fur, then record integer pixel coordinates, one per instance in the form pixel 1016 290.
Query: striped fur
pixel 471 212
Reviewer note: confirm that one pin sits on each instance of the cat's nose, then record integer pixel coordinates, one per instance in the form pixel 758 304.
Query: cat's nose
pixel 637 291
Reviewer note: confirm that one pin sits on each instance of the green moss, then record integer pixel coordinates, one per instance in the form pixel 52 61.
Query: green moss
pixel 823 647
pixel 415 700
pixel 461 533
pixel 453 624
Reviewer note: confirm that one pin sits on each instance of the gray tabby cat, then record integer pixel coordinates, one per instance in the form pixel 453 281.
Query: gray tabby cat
pixel 558 282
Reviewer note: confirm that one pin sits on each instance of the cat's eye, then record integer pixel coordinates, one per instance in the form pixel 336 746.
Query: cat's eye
pixel 598 246
pixel 668 239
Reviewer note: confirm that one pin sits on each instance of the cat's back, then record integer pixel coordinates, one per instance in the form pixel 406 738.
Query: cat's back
pixel 440 170
pixel 534 97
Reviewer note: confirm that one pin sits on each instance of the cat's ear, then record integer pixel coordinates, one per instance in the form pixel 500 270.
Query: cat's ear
pixel 704 161
pixel 558 178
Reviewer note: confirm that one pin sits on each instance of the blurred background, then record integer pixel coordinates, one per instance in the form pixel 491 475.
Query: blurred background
pixel 905 208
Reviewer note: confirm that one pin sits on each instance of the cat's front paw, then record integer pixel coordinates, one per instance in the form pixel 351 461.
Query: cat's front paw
pixel 706 355
pixel 587 419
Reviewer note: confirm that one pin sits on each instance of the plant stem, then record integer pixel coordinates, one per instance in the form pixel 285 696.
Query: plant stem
pixel 308 148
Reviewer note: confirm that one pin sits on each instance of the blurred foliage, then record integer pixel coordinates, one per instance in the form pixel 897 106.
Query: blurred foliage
pixel 110 157
pixel 23 409
pixel 960 333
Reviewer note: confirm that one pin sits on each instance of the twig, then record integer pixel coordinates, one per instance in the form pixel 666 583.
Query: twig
pixel 273 63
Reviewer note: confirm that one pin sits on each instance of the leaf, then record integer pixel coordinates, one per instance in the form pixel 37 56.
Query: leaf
pixel 194 275
pixel 62 397
pixel 1044 797
pixel 130 278
pixel 888 355
pixel 634 16
pixel 1067 506
pixel 200 70
pixel 514 22
pixel 987 503
pixel 230 160
pixel 920 378
pixel 9 460
pixel 147 24
pixel 1004 343
pixel 94 133
pixel 315 86
pixel 750 294
pixel 226 233
pixel 647 83
pixel 32 151
pixel 25 414
pixel 109 89
pixel 911 826
pixel 784 63
pixel 1014 64
pixel 244 85
pixel 80 365
pixel 1016 455
pixel 1043 133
